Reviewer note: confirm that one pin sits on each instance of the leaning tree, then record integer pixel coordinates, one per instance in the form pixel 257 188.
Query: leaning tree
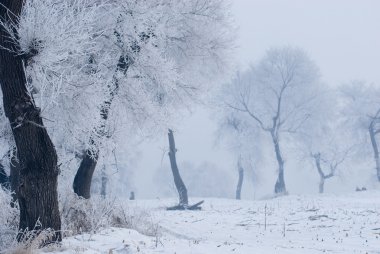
pixel 179 184
pixel 276 96
pixel 37 185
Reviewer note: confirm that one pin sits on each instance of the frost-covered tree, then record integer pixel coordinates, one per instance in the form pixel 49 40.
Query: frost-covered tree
pixel 328 150
pixel 238 136
pixel 93 73
pixel 277 95
pixel 323 138
pixel 94 68
pixel 361 109
pixel 327 165
pixel 37 186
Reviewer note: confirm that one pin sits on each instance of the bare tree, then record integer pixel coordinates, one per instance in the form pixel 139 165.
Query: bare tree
pixel 179 184
pixel 275 96
pixel 331 165
pixel 324 139
pixel 322 175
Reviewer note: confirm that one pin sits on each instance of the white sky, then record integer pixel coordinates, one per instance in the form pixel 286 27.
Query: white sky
pixel 342 36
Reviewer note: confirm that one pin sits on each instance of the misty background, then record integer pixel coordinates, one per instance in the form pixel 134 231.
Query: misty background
pixel 341 36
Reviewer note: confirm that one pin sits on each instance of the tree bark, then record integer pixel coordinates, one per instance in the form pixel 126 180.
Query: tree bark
pixel 279 187
pixel 179 184
pixel 240 181
pixel 372 134
pixel 14 175
pixel 4 179
pixel 38 198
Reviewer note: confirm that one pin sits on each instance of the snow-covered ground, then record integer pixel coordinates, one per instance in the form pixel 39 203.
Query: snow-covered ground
pixel 291 224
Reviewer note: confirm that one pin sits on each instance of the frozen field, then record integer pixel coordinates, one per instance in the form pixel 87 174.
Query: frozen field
pixel 291 224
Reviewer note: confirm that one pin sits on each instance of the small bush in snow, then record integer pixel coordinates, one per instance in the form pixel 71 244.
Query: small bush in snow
pixel 92 215
pixel 86 215
pixel 33 240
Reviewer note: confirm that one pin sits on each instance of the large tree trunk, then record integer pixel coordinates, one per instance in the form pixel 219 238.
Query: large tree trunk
pixel 179 184
pixel 279 187
pixel 375 148
pixel 83 178
pixel 240 181
pixel 38 198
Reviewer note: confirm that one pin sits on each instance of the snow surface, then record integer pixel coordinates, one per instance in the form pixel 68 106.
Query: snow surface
pixel 294 224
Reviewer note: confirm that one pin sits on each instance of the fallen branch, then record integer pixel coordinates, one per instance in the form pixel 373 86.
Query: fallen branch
pixel 186 207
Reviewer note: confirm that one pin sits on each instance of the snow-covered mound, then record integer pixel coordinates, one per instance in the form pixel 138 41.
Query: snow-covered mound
pixel 291 224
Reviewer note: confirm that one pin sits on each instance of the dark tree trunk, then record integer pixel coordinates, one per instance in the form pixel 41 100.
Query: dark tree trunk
pixel 104 180
pixel 4 179
pixel 83 178
pixel 179 184
pixel 132 195
pixel 372 134
pixel 240 181
pixel 279 187
pixel 38 198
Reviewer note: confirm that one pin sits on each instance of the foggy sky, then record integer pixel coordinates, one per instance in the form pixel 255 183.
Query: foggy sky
pixel 341 36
